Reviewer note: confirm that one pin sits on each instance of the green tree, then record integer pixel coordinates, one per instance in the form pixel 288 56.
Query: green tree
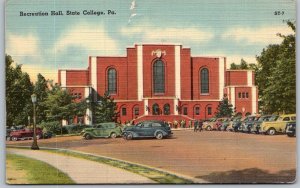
pixel 105 109
pixel 242 66
pixel 224 109
pixel 276 75
pixel 59 104
pixel 41 90
pixel 18 94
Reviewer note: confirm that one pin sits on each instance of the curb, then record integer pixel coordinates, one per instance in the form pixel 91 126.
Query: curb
pixel 194 180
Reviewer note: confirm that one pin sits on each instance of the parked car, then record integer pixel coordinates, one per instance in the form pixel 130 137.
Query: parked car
pixel 291 129
pixel 233 123
pixel 257 124
pixel 156 129
pixel 25 133
pixel 278 126
pixel 247 125
pixel 208 125
pixel 218 124
pixel 106 130
pixel 225 124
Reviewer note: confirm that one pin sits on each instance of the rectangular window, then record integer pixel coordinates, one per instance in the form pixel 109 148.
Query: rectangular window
pixel 240 95
pixel 124 112
pixel 197 110
pixel 243 95
pixel 209 110
pixel 247 95
pixel 185 111
pixel 136 111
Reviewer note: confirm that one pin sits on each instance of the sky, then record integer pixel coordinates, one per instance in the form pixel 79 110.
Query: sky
pixel 232 28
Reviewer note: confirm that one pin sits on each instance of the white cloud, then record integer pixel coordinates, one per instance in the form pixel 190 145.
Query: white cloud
pixel 17 45
pixel 93 38
pixel 263 35
pixel 34 70
pixel 151 34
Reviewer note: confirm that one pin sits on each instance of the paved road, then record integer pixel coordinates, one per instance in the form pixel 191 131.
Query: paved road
pixel 84 171
pixel 219 157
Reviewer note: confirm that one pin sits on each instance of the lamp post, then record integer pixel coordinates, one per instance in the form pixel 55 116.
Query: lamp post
pixel 34 143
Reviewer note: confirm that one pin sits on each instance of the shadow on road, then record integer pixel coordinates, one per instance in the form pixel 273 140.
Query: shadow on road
pixel 250 175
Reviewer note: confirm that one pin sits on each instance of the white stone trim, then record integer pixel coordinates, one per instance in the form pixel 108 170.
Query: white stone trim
pixel 86 92
pixel 254 99
pixel 177 72
pixel 88 117
pixel 64 122
pixel 232 96
pixel 140 87
pixel 94 74
pixel 63 78
pixel 249 78
pixel 221 77
pixel 145 107
pixel 175 104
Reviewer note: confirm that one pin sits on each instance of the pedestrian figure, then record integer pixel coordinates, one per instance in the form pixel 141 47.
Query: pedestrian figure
pixel 196 124
pixel 190 124
pixel 200 125
pixel 175 124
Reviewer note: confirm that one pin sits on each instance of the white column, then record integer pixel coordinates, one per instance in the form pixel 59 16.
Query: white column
pixel 249 78
pixel 254 99
pixel 177 72
pixel 232 96
pixel 63 78
pixel 145 107
pixel 88 112
pixel 221 77
pixel 140 72
pixel 94 75
pixel 175 104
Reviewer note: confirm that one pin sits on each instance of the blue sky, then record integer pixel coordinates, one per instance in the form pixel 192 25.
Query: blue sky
pixel 232 28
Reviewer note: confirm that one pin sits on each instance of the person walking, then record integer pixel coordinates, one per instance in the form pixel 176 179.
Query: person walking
pixel 200 125
pixel 196 124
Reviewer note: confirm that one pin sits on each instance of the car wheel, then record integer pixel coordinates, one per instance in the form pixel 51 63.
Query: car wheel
pixel 208 128
pixel 88 137
pixel 14 138
pixel 290 134
pixel 129 136
pixel 113 135
pixel 159 135
pixel 271 131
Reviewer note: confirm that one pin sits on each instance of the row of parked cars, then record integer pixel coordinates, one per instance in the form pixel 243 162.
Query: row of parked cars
pixel 145 129
pixel 265 124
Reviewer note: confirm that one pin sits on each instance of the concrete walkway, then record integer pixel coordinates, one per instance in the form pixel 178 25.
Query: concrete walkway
pixel 84 171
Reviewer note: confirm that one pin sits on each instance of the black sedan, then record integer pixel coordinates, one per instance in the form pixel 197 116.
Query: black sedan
pixel 291 129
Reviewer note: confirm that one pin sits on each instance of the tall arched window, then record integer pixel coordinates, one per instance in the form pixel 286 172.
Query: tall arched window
pixel 155 109
pixel 159 77
pixel 166 109
pixel 204 81
pixel 112 81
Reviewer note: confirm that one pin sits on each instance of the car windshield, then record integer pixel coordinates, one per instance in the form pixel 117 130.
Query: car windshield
pixel 273 118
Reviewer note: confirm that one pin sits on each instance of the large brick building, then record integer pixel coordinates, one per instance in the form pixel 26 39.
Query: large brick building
pixel 163 81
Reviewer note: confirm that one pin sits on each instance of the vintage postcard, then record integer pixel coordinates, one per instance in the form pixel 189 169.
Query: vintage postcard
pixel 150 92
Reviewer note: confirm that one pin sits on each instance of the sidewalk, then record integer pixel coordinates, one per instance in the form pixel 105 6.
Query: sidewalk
pixel 84 171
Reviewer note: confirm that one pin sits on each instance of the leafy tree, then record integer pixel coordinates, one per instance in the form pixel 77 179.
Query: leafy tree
pixel 105 109
pixel 18 94
pixel 276 75
pixel 224 109
pixel 59 105
pixel 41 90
pixel 242 66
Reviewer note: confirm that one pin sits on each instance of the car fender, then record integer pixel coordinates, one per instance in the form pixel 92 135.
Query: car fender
pixel 90 133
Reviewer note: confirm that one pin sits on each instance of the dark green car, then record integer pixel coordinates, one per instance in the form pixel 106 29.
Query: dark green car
pixel 106 130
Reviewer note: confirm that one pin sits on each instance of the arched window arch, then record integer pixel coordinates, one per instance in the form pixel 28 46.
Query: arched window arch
pixel 167 109
pixel 155 109
pixel 159 76
pixel 112 81
pixel 204 81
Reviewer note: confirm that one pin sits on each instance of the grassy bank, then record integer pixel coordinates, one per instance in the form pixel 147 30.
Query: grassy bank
pixel 35 172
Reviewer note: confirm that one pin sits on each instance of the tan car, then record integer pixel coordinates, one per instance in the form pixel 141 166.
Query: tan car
pixel 208 125
pixel 278 126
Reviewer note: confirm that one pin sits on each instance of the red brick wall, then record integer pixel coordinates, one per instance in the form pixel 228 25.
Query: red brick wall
pixel 186 74
pixel 243 102
pixel 132 73
pixel 169 60
pixel 212 64
pixel 236 77
pixel 77 77
pixel 120 64
pixel 79 91
pixel 130 105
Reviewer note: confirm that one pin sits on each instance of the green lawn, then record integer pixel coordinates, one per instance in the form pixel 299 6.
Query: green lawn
pixel 37 172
